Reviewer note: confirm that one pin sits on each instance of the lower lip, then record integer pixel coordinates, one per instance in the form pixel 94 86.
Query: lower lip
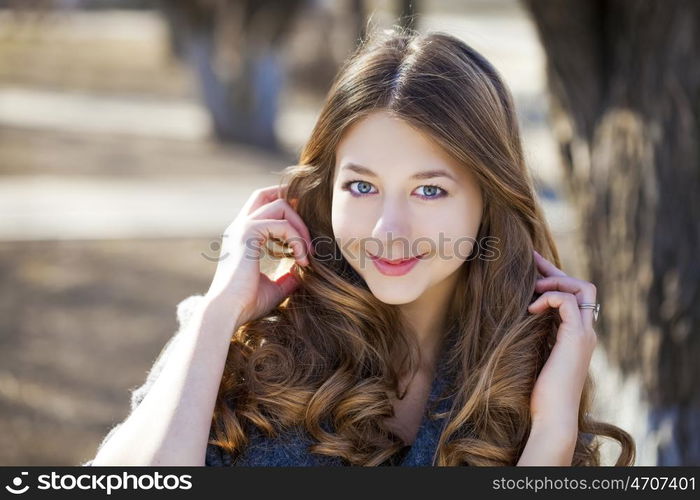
pixel 388 269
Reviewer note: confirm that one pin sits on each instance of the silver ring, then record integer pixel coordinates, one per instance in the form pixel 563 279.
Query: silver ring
pixel 594 307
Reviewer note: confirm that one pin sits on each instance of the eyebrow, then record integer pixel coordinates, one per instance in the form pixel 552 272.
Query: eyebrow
pixel 426 174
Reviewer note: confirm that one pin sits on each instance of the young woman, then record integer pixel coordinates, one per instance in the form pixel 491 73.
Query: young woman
pixel 426 319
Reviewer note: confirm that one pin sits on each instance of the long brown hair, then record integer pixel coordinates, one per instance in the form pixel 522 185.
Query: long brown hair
pixel 323 355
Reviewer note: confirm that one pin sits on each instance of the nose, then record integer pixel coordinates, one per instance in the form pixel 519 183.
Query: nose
pixel 392 232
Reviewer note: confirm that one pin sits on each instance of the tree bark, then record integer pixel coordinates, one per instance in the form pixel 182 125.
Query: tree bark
pixel 624 78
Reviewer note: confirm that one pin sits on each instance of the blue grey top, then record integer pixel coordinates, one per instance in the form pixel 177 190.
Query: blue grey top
pixel 290 448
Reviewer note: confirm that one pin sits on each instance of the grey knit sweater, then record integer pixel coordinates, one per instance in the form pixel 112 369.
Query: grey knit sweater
pixel 291 448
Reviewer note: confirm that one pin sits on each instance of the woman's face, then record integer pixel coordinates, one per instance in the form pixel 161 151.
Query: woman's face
pixel 385 205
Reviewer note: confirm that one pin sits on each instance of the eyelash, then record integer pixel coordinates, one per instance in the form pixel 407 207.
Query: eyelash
pixel 346 187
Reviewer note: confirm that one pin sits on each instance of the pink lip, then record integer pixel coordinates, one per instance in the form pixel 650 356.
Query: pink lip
pixel 395 267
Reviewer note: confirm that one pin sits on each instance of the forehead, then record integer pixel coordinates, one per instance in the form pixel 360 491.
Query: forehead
pixel 390 146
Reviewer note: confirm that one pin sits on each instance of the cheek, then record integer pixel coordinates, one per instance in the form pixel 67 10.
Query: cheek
pixel 448 235
pixel 463 241
pixel 349 227
pixel 451 243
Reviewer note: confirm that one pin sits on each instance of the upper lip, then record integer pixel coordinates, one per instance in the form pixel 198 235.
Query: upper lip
pixel 396 261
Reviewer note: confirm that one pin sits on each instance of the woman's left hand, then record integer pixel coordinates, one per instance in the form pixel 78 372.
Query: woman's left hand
pixel 557 392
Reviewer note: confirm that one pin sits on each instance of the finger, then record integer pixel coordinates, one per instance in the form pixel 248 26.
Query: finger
pixel 287 283
pixel 264 196
pixel 280 209
pixel 583 290
pixel 546 268
pixel 265 229
pixel 566 304
pixel 276 291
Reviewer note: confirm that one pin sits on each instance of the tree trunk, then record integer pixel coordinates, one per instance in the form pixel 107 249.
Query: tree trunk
pixel 233 47
pixel 624 84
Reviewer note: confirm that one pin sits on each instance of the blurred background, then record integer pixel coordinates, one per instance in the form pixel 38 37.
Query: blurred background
pixel 131 132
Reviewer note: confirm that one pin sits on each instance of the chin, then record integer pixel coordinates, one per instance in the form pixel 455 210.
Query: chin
pixel 395 295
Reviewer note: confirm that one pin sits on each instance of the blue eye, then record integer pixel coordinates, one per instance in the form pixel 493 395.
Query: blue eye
pixel 364 187
pixel 431 192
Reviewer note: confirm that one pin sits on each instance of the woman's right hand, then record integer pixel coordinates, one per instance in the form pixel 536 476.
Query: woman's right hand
pixel 238 277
